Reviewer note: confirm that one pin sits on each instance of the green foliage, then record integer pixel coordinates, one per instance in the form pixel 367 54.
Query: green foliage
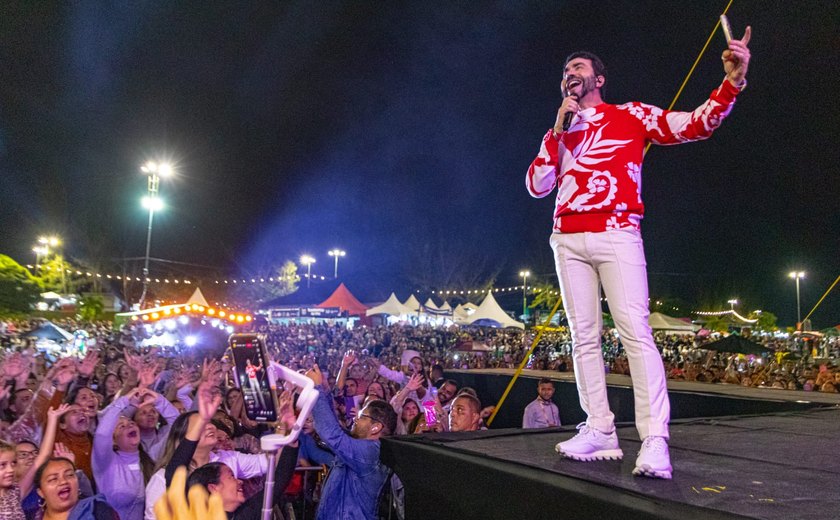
pixel 766 321
pixel 19 290
pixel 91 307
pixel 545 296
pixel 50 273
pixel 279 281
pixel 717 323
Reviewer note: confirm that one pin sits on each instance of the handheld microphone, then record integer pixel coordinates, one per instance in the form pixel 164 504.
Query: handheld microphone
pixel 567 119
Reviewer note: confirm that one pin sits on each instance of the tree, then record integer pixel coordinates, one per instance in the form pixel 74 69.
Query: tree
pixel 766 321
pixel 54 275
pixel 717 323
pixel 91 307
pixel 545 295
pixel 277 282
pixel 19 290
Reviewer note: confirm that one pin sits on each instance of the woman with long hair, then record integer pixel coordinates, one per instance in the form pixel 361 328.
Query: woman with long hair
pixel 111 384
pixel 218 478
pixel 241 464
pixel 120 463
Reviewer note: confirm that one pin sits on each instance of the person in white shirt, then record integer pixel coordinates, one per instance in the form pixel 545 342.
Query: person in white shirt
pixel 542 412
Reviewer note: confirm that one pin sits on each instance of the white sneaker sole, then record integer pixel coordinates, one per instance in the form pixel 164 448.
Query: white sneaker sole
pixel 595 455
pixel 646 471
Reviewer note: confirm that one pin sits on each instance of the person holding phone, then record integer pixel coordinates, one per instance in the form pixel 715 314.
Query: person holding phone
pixel 593 156
pixel 357 476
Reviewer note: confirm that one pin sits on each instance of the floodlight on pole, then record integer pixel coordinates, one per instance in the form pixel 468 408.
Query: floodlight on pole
pixel 44 251
pixel 336 253
pixel 524 275
pixel 797 275
pixel 732 303
pixel 154 171
pixel 308 261
pixel 40 251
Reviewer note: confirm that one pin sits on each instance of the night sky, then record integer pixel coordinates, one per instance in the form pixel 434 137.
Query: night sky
pixel 401 133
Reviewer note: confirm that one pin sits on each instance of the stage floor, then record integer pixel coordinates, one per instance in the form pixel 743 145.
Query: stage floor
pixel 677 386
pixel 774 466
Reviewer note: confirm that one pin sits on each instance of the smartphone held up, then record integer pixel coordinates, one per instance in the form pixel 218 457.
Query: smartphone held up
pixel 251 367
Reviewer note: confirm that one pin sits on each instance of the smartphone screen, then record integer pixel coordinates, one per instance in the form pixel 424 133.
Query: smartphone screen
pixel 431 415
pixel 250 369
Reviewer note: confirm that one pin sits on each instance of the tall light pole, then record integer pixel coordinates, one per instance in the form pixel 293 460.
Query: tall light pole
pixel 797 275
pixel 524 275
pixel 732 304
pixel 39 252
pixel 336 253
pixel 154 171
pixel 308 261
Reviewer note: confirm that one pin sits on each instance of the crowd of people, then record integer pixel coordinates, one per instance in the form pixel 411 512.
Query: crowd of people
pixel 102 432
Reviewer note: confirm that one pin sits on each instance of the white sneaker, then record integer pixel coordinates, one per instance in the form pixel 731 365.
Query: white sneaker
pixel 590 444
pixel 654 459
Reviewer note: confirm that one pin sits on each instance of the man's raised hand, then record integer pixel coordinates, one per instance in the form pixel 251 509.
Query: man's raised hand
pixel 736 59
pixel 315 375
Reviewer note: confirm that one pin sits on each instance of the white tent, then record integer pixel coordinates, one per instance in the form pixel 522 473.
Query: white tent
pixel 489 312
pixel 470 307
pixel 445 306
pixel 430 304
pixel 460 315
pixel 412 303
pixel 392 306
pixel 197 298
pixel 659 321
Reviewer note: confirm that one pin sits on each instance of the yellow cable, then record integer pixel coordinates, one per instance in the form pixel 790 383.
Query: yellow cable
pixel 690 72
pixel 524 361
pixel 823 298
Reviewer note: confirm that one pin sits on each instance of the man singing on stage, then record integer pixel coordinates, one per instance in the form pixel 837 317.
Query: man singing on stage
pixel 253 382
pixel 595 159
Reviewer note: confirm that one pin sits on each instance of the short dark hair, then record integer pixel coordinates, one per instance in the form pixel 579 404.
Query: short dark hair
pixel 210 473
pixel 383 413
pixel 468 390
pixel 475 404
pixel 545 381
pixel 597 66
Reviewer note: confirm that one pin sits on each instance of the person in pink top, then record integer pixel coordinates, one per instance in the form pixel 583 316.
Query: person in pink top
pixel 595 164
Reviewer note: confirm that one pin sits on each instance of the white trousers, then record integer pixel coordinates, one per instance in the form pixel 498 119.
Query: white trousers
pixel 614 259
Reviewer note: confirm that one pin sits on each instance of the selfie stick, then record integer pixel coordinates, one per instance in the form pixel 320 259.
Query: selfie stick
pixel 271 443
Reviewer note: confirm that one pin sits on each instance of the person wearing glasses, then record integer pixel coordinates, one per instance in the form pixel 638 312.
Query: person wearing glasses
pixel 357 477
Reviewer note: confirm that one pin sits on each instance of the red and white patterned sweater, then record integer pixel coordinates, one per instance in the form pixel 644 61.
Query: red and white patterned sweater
pixel 600 170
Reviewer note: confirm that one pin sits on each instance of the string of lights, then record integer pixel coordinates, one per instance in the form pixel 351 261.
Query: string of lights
pixel 171 311
pixel 443 293
pixel 115 276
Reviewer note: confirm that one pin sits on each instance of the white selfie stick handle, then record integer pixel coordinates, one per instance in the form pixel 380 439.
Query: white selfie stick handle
pixel 306 400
